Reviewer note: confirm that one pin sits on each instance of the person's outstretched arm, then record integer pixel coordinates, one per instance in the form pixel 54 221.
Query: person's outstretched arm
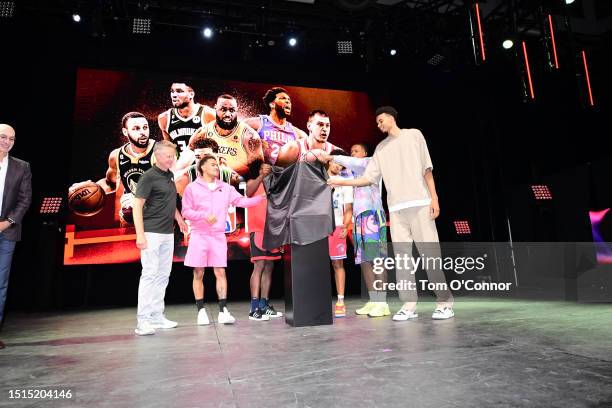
pixel 358 182
pixel 238 200
pixel 354 164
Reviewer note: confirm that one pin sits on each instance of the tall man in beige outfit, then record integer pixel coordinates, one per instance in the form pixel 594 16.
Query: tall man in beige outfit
pixel 402 161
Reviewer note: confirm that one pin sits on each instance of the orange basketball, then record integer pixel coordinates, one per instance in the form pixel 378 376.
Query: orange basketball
pixel 289 153
pixel 87 199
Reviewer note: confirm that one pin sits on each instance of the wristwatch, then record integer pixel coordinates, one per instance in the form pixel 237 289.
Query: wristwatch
pixel 11 221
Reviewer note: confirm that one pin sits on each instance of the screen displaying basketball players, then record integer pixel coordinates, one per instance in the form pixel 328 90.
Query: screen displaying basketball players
pixel 120 115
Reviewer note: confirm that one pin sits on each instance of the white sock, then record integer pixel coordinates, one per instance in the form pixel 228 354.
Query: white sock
pixel 341 299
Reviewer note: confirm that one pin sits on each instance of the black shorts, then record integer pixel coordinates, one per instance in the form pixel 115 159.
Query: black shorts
pixel 259 254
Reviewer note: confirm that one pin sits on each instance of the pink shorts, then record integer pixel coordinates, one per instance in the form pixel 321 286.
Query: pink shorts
pixel 337 245
pixel 206 249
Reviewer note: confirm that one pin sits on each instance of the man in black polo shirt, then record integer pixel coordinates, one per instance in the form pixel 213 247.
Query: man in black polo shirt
pixel 154 211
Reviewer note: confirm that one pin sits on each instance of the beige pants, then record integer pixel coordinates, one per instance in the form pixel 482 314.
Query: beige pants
pixel 414 226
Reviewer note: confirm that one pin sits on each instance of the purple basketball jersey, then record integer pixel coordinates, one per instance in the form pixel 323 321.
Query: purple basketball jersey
pixel 275 137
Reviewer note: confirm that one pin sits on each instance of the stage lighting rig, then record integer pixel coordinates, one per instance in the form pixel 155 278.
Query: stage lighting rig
pixel 141 26
pixel 541 192
pixel 462 227
pixel 7 9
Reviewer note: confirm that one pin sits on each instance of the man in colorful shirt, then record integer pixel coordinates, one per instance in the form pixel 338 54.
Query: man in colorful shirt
pixel 369 230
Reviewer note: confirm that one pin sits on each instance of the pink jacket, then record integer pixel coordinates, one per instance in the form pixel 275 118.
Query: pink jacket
pixel 199 202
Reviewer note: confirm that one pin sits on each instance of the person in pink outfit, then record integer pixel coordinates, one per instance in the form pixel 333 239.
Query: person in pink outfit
pixel 205 204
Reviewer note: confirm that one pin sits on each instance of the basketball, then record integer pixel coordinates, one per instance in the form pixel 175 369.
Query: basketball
pixel 87 199
pixel 289 153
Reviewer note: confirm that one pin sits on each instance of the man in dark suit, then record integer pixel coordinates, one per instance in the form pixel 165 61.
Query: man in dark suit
pixel 15 198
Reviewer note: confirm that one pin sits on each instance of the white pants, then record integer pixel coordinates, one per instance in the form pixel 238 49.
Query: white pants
pixel 414 226
pixel 156 262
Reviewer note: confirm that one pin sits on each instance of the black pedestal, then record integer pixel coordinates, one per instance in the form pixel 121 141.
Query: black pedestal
pixel 308 298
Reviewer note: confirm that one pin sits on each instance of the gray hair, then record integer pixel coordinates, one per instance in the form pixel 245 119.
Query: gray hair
pixel 163 144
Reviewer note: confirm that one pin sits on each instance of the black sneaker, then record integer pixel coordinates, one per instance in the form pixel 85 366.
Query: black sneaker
pixel 258 316
pixel 270 312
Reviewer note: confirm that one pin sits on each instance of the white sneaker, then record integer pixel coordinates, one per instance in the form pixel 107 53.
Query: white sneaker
pixel 163 323
pixel 225 317
pixel 144 329
pixel 203 317
pixel 442 314
pixel 403 315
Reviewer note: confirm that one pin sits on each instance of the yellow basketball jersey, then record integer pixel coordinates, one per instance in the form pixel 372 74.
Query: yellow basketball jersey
pixel 231 146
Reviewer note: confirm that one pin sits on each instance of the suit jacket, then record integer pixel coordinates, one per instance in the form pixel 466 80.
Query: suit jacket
pixel 17 196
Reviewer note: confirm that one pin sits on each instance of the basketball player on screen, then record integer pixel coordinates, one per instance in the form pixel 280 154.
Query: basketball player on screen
pixel 202 145
pixel 275 130
pixel 180 122
pixel 239 144
pixel 127 163
pixel 278 136
pixel 316 146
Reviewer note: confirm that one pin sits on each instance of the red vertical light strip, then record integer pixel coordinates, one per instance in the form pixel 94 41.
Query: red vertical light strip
pixel 482 49
pixel 528 70
pixel 554 42
pixel 588 78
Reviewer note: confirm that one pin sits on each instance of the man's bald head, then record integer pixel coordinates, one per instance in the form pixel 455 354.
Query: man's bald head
pixel 7 139
pixel 7 130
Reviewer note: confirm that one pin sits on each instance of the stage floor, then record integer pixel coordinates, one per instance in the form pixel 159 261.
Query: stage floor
pixel 493 354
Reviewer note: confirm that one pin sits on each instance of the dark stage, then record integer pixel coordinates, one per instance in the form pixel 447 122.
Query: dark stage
pixel 512 353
